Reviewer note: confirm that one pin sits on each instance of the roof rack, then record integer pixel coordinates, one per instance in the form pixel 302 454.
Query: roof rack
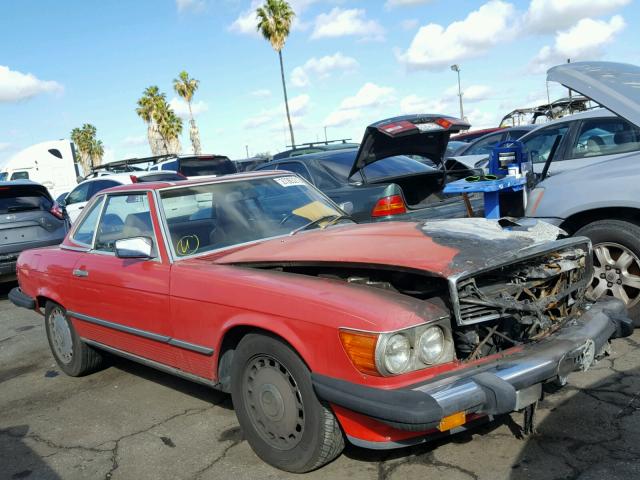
pixel 319 142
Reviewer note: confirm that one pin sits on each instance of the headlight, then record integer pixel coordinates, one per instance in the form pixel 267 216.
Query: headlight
pixel 397 354
pixel 431 345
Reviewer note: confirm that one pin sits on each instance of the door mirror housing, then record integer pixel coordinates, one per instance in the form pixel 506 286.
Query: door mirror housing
pixel 135 247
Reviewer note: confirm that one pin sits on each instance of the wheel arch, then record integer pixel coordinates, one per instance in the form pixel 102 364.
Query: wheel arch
pixel 43 296
pixel 580 219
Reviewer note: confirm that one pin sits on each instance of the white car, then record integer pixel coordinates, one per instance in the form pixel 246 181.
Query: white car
pixel 77 198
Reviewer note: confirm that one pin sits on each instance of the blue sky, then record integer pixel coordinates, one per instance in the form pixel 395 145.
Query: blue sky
pixel 348 63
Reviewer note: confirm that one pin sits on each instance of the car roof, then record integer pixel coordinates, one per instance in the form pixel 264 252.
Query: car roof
pixel 21 182
pixel 193 182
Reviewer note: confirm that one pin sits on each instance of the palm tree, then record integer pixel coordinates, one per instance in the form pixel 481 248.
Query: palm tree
pixel 274 22
pixel 185 87
pixel 151 101
pixel 169 127
pixel 90 149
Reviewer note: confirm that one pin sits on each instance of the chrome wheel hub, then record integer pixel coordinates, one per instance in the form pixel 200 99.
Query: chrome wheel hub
pixel 616 272
pixel 61 335
pixel 273 402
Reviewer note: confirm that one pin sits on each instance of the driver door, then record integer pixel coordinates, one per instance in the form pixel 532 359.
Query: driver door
pixel 124 303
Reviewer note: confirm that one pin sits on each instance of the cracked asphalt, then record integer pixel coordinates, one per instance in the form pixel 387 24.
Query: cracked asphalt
pixel 131 422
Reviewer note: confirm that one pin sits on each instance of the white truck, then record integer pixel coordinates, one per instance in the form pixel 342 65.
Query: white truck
pixel 51 164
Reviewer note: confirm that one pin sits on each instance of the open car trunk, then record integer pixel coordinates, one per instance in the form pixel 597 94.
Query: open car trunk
pixel 419 189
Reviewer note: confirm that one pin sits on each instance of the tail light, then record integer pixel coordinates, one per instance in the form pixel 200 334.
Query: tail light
pixel 133 178
pixel 57 211
pixel 391 205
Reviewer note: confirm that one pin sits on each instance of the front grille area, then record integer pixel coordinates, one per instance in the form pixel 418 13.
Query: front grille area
pixel 520 302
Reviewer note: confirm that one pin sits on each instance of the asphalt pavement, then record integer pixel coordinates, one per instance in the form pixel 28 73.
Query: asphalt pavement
pixel 132 422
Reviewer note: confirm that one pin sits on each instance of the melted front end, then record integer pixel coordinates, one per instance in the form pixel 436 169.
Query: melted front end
pixel 519 302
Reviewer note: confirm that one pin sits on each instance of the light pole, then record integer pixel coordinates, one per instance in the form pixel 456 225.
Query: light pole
pixel 456 68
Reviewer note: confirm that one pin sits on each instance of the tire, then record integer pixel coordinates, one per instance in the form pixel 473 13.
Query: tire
pixel 73 356
pixel 617 272
pixel 286 426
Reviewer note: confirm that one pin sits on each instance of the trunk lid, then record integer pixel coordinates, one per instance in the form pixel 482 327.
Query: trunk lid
pixel 426 135
pixel 615 86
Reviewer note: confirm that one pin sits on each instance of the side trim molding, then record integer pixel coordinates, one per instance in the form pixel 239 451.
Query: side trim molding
pixel 143 333
pixel 153 364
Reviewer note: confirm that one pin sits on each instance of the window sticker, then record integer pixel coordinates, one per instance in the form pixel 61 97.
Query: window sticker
pixel 290 181
pixel 187 245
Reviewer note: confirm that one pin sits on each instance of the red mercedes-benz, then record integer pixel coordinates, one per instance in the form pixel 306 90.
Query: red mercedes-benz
pixel 322 330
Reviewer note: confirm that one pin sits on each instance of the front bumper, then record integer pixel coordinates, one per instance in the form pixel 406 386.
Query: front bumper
pixel 20 299
pixel 507 384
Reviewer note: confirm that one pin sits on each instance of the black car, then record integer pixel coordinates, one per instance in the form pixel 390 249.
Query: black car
pixel 380 181
pixel 29 218
pixel 317 147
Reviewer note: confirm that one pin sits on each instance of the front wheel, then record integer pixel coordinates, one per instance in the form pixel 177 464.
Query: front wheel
pixel 73 356
pixel 280 415
pixel 616 262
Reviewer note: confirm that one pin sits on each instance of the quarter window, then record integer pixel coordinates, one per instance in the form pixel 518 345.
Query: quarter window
pixel 78 194
pixel 605 136
pixel 125 216
pixel 84 232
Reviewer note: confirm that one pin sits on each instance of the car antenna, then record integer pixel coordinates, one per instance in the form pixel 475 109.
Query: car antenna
pixel 552 152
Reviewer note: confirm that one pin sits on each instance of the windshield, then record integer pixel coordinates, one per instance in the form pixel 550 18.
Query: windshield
pixel 22 199
pixel 199 166
pixel 340 166
pixel 3 176
pixel 207 217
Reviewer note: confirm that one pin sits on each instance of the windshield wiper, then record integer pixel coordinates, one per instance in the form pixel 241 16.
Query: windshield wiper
pixel 331 219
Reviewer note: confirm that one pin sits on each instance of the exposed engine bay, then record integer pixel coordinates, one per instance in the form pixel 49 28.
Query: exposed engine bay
pixel 493 310
pixel 520 302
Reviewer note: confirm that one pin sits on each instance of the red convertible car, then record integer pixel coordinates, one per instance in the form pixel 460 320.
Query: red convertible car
pixel 322 330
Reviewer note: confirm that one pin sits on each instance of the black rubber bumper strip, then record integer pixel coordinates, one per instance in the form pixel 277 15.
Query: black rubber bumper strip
pixel 21 300
pixel 407 407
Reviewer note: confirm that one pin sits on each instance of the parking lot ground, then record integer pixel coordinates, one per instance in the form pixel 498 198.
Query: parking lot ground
pixel 131 422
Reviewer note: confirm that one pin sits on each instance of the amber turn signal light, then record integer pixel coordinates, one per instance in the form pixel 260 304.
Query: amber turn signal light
pixel 452 421
pixel 361 350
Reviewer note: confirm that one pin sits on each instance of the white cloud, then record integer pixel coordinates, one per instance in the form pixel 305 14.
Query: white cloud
pixel 16 86
pixel 181 108
pixel 436 47
pixel 370 95
pixel 260 93
pixel 298 107
pixel 346 22
pixel 4 146
pixel 257 121
pixel 472 93
pixel 246 22
pixel 405 3
pixel 134 141
pixel 321 68
pixel 547 16
pixel 190 5
pixel 585 40
pixel 340 118
pixel 416 104
pixel 481 119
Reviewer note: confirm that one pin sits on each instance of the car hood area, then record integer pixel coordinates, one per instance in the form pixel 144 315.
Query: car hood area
pixel 615 86
pixel 442 248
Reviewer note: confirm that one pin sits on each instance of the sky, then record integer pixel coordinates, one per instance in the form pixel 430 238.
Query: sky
pixel 348 63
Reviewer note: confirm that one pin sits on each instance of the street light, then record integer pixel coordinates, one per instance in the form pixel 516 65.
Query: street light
pixel 456 68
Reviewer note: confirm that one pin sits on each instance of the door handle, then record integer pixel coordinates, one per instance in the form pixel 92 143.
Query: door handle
pixel 80 273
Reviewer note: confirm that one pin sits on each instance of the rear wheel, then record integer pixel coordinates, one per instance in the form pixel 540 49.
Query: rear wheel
pixel 280 415
pixel 616 262
pixel 73 356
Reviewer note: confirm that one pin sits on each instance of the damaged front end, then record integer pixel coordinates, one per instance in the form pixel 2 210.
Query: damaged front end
pixel 520 302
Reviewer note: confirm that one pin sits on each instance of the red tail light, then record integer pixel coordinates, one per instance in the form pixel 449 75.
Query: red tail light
pixel 391 205
pixel 57 211
pixel 133 178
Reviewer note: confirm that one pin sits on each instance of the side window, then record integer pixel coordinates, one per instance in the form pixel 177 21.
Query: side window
pixel 538 145
pixel 173 166
pixel 484 145
pixel 296 167
pixel 84 232
pixel 20 176
pixel 125 216
pixel 99 185
pixel 78 194
pixel 153 168
pixel 605 136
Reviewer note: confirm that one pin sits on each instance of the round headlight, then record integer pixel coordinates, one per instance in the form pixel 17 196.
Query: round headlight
pixel 431 345
pixel 397 354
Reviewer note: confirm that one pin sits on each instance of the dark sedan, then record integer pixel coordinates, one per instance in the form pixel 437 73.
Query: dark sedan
pixel 380 181
pixel 29 218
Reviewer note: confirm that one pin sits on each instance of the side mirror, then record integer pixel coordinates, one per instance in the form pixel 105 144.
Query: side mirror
pixel 135 247
pixel 347 207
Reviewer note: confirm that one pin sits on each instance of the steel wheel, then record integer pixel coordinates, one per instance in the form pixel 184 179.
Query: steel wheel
pixel 273 402
pixel 61 338
pixel 616 272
